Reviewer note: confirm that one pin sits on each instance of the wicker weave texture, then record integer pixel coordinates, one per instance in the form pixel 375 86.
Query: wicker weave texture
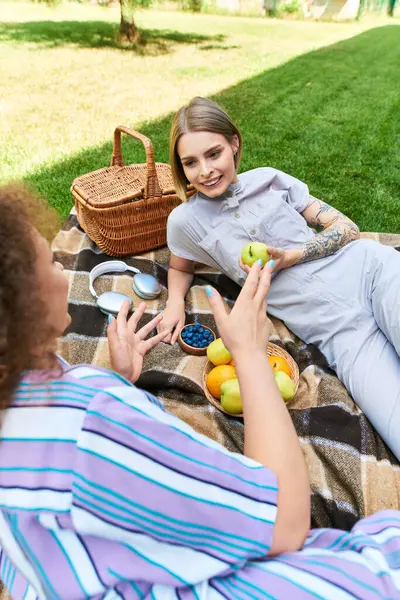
pixel 273 350
pixel 124 209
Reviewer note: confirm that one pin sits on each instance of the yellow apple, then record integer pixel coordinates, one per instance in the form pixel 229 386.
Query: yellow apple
pixel 285 384
pixel 254 251
pixel 217 353
pixel 231 400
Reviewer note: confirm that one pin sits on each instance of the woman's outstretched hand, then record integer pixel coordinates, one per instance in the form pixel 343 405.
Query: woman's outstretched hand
pixel 128 347
pixel 246 328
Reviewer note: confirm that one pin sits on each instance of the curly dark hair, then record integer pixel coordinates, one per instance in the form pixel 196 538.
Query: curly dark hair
pixel 22 326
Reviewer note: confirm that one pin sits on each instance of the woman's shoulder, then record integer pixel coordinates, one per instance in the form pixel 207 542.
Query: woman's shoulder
pixel 259 174
pixel 85 379
pixel 181 216
pixel 77 386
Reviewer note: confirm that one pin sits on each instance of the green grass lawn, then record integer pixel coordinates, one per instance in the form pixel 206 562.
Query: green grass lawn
pixel 318 100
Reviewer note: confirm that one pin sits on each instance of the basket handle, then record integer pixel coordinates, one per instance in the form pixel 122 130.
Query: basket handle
pixel 152 187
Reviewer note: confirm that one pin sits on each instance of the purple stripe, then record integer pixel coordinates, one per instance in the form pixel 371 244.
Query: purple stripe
pixel 173 505
pixel 167 459
pixel 159 435
pixel 94 380
pixel 329 537
pixel 378 522
pixel 19 587
pixel 157 528
pixel 48 552
pixel 389 547
pixel 175 439
pixel 56 455
pixel 55 482
pixel 57 388
pixel 215 585
pixel 265 580
pixel 322 570
pixel 132 529
pixel 110 555
pixel 87 550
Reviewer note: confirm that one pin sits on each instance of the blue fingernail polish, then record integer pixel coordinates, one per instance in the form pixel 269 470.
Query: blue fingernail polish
pixel 260 262
pixel 110 318
pixel 209 291
pixel 271 264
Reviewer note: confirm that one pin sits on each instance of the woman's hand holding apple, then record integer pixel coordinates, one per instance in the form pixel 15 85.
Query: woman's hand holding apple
pixel 282 259
pixel 247 328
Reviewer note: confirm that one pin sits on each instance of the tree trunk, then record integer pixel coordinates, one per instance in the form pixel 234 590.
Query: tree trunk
pixel 128 34
pixel 391 7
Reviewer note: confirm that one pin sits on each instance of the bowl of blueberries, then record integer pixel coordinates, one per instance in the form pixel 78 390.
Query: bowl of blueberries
pixel 195 338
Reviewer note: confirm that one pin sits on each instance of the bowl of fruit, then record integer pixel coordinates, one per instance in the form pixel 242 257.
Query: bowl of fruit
pixel 195 338
pixel 220 383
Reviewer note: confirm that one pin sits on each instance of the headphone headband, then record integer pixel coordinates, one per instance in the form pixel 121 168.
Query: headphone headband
pixel 110 266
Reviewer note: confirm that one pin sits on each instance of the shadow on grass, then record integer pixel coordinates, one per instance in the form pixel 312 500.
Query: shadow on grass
pixel 96 34
pixel 218 47
pixel 330 117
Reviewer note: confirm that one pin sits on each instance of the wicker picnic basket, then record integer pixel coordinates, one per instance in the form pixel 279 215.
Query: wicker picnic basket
pixel 124 209
pixel 272 350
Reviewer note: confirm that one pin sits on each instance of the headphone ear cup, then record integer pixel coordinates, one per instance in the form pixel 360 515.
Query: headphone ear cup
pixel 110 303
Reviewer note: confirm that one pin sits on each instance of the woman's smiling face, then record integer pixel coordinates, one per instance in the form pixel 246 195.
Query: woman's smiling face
pixel 208 161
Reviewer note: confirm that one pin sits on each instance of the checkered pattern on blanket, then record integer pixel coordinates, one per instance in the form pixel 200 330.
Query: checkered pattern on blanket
pixel 352 472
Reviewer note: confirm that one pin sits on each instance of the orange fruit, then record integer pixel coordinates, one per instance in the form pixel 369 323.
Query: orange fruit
pixel 217 376
pixel 278 363
pixel 232 363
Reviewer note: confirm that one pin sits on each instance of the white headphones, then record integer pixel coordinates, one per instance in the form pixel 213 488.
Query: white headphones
pixel 144 285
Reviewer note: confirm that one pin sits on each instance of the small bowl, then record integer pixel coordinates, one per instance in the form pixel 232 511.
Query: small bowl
pixel 272 350
pixel 191 349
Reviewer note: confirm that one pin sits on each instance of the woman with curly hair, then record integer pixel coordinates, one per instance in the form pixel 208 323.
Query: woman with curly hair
pixel 104 494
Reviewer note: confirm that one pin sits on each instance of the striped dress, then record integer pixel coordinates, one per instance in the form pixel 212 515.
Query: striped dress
pixel 105 495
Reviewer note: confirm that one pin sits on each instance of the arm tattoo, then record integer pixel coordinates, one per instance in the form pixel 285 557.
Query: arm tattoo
pixel 333 236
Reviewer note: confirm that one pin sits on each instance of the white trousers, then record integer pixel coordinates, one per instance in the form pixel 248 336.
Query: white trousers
pixel 349 306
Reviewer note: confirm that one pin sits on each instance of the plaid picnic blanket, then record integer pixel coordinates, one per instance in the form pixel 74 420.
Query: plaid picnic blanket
pixel 352 471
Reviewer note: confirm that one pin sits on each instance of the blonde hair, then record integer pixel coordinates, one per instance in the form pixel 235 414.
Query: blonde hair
pixel 201 114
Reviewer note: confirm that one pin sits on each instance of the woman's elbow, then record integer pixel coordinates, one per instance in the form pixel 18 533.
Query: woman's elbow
pixel 291 535
pixel 356 232
pixel 353 232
